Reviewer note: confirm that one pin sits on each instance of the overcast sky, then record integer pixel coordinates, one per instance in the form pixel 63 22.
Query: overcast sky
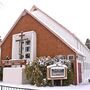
pixel 73 14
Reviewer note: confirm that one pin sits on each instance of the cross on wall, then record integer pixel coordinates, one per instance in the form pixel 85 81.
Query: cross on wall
pixel 21 43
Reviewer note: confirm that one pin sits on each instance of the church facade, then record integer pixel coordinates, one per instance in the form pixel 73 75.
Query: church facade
pixel 40 35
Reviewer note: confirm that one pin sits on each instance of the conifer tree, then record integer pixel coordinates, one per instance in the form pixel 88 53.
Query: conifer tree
pixel 87 43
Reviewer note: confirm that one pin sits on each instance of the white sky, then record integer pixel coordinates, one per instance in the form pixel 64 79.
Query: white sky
pixel 73 14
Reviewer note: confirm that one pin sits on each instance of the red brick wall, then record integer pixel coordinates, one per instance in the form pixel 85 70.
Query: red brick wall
pixel 47 43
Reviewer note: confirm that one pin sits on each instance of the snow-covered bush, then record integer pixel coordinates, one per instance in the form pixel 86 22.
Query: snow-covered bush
pixel 36 72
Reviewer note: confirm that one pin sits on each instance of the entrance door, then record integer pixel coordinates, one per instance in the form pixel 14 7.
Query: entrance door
pixel 79 73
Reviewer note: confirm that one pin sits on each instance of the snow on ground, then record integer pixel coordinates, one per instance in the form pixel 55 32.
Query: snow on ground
pixel 71 87
pixel 68 88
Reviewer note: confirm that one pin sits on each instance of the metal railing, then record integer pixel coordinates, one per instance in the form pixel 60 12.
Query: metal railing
pixel 3 87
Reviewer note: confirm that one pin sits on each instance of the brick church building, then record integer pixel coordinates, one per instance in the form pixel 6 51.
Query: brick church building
pixel 43 36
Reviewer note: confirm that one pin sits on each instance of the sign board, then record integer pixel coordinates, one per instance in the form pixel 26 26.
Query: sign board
pixel 13 62
pixel 57 72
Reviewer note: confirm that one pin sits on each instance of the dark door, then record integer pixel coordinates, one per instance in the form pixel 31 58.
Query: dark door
pixel 79 73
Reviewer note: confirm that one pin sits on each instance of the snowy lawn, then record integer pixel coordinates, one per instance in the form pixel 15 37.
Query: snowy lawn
pixel 68 88
pixel 71 87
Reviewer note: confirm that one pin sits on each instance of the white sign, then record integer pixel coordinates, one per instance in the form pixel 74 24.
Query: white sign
pixel 57 72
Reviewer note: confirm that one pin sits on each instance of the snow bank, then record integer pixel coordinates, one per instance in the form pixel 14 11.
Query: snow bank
pixel 71 87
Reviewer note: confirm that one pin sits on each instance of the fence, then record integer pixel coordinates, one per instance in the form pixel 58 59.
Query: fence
pixel 4 87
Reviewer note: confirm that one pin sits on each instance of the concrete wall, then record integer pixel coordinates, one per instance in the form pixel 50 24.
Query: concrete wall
pixel 14 75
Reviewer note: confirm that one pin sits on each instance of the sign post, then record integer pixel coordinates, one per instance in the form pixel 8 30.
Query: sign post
pixel 52 82
pixel 61 82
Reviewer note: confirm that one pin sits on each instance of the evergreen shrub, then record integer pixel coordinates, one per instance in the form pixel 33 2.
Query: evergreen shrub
pixel 36 72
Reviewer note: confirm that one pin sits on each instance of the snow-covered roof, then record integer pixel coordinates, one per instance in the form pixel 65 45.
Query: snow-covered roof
pixel 56 28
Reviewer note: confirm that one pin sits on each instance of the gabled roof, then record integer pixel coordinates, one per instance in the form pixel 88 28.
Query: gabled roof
pixel 56 28
pixel 52 25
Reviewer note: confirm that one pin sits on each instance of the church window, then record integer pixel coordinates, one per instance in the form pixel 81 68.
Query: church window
pixel 28 42
pixel 71 57
pixel 27 55
pixel 27 49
